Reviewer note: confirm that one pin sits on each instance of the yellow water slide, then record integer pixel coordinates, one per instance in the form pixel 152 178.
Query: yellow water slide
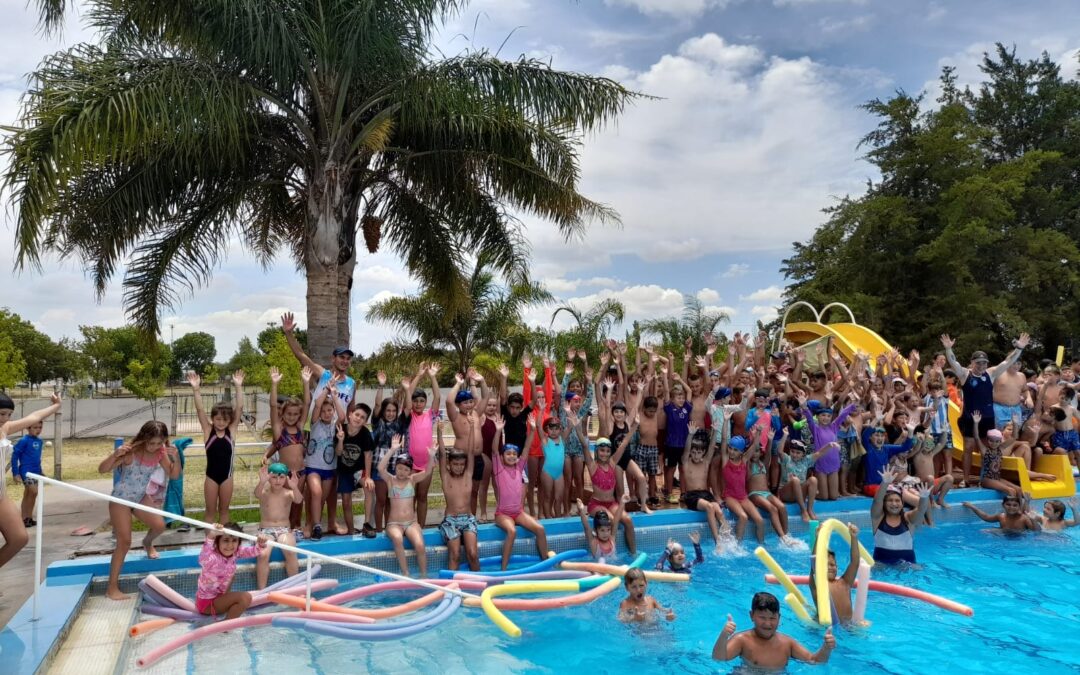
pixel 851 338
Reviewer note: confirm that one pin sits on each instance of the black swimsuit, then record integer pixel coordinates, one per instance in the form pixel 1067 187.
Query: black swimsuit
pixel 219 457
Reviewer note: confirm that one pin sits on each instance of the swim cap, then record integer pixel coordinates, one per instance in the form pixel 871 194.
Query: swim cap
pixel 570 396
pixel 618 406
pixel 737 443
pixel 463 396
pixel 796 444
pixel 603 441
pixel 993 435
pixel 813 406
pixel 722 392
pixel 510 447
pixel 278 469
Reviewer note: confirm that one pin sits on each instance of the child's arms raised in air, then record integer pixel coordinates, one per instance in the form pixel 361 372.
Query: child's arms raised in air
pixel 238 400
pixel 27 421
pixel 195 381
pixel 585 527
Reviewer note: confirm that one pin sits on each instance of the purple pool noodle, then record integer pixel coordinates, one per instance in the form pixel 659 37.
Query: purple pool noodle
pixel 294 580
pixel 173 613
pixel 155 598
pixel 431 620
pixel 528 576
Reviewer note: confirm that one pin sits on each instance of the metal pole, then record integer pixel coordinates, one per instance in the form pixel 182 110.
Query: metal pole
pixel 58 444
pixel 37 545
pixel 248 537
pixel 307 603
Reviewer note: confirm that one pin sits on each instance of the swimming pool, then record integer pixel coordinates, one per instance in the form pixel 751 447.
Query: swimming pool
pixel 1024 592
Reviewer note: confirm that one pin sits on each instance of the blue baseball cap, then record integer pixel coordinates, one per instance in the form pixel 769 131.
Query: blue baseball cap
pixel 737 443
pixel 338 351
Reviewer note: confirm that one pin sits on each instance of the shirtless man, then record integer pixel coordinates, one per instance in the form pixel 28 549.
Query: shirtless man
pixel 763 647
pixel 1010 389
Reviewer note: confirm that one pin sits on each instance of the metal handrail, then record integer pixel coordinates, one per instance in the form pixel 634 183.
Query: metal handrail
pixel 783 322
pixel 841 305
pixel 43 480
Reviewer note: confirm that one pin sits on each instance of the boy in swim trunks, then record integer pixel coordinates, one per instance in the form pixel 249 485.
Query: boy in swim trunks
pixel 694 469
pixel 646 451
pixel 840 586
pixel 1013 516
pixel 277 491
pixel 1064 416
pixel 763 647
pixel 459 524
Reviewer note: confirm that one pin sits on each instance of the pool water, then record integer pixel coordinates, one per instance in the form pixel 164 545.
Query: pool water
pixel 1024 591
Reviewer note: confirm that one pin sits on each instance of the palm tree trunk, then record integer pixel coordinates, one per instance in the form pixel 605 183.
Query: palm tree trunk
pixel 322 310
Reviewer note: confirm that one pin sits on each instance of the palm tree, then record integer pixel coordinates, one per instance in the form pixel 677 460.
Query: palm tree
pixel 290 125
pixel 489 319
pixel 591 326
pixel 693 324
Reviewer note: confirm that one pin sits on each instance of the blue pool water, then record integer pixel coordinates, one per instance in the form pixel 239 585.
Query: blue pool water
pixel 1025 592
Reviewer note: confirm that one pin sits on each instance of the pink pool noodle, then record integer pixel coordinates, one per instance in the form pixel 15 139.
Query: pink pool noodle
pixel 893 589
pixel 263 597
pixel 154 655
pixel 163 589
pixel 383 587
pixel 527 576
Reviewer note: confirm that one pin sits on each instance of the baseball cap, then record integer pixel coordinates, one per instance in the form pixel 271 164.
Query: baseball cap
pixel 979 356
pixel 338 351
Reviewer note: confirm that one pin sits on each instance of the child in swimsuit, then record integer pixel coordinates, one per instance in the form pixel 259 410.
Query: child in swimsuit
pixel 674 556
pixel 758 485
pixel 603 474
pixel 459 526
pixel 638 607
pixel 990 469
pixel 735 495
pixel 137 462
pixel 277 492
pixel 219 432
pixel 287 422
pixel 551 474
pixel 401 522
pixel 1012 517
pixel 509 475
pixel 1053 515
pixel 218 561
pixel 599 539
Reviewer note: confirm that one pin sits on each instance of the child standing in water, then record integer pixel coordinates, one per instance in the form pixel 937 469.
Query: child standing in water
pixel 1053 515
pixel 638 607
pixel 674 556
pixel 277 492
pixel 218 559
pixel 509 475
pixel 840 586
pixel 219 441
pixel 763 646
pixel 1012 517
pixel 137 461
pixel 402 520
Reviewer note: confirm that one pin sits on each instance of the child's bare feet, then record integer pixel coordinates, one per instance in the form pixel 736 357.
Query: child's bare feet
pixel 307 533
pixel 115 594
pixel 340 530
pixel 805 517
pixel 148 546
pixel 812 515
pixel 646 510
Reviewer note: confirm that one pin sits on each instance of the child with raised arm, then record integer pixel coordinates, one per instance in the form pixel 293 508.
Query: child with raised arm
pixel 278 491
pixel 735 493
pixel 757 485
pixel 320 459
pixel 926 447
pixel 552 476
pixel 638 607
pixel 287 420
pixel 1064 415
pixel 421 423
pixel 388 424
pixel 217 559
pixel 26 458
pixel 763 646
pixel 11 522
pixel 674 556
pixel 694 471
pixel 604 478
pixel 894 530
pixel 824 428
pixel 137 461
pixel 459 525
pixel 1013 516
pixel 600 538
pixel 990 467
pixel 677 419
pixel 1053 515
pixel 795 485
pixel 219 441
pixel 840 586
pixel 402 520
pixel 509 475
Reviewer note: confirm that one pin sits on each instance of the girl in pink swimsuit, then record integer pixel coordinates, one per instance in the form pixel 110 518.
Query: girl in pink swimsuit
pixel 735 496
pixel 602 474
pixel 509 475
pixel 218 561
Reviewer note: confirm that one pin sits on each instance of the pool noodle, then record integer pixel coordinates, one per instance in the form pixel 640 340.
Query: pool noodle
pixel 428 622
pixel 821 563
pixel 154 655
pixel 620 570
pixel 499 619
pixel 317 586
pixel 144 627
pixel 152 597
pixel 168 593
pixel 515 558
pixel 381 613
pixel 382 587
pixel 536 567
pixel 300 578
pixel 862 590
pixel 185 615
pixel 378 626
pixel 893 589
pixel 799 609
pixel 528 576
pixel 774 567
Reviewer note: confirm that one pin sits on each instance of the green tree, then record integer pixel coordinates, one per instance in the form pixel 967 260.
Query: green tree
pixel 325 120
pixel 146 380
pixel 488 319
pixel 247 358
pixel 109 350
pixel 12 363
pixel 590 327
pixel 692 325
pixel 973 228
pixel 268 336
pixel 44 359
pixel 282 357
pixel 194 351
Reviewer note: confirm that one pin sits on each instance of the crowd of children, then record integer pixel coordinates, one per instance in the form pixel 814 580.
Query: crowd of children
pixel 737 439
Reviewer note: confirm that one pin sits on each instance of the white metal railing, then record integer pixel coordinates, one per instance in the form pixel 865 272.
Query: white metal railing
pixel 43 480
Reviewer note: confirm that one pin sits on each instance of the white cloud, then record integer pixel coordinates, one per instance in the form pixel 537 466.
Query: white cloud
pixel 770 294
pixel 559 285
pixel 677 8
pixel 735 270
pixel 855 24
pixel 727 310
pixel 708 295
pixel 712 47
pixel 798 3
pixel 764 313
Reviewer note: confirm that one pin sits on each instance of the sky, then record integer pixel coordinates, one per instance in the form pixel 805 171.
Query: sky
pixel 752 130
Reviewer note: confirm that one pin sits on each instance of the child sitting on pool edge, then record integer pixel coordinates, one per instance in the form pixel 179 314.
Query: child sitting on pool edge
pixel 763 646
pixel 277 491
pixel 674 556
pixel 638 607
pixel 402 521
pixel 508 472
pixel 218 559
pixel 459 527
